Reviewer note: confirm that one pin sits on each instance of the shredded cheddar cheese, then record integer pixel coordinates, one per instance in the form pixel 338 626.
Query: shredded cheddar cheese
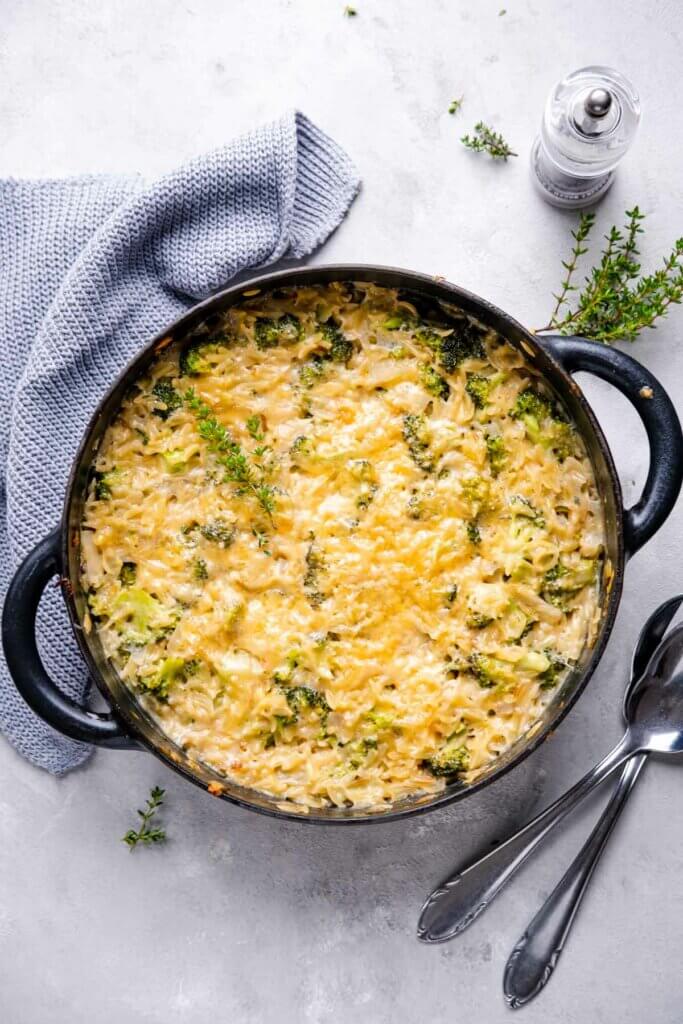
pixel 342 547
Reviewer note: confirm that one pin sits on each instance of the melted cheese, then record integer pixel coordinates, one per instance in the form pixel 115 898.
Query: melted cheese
pixel 405 592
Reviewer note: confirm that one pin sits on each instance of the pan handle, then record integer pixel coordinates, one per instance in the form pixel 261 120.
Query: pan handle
pixel 24 663
pixel 658 416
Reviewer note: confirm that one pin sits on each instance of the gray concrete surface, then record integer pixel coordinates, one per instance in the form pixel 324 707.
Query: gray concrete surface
pixel 238 918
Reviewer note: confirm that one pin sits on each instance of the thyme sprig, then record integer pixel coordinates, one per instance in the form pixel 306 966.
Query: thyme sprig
pixel 147 834
pixel 250 479
pixel 485 140
pixel 616 301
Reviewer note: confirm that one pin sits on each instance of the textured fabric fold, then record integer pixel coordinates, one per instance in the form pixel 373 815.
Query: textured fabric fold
pixel 90 269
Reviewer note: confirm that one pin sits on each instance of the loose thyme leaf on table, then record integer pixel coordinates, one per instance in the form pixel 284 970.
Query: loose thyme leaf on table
pixel 485 140
pixel 147 834
pixel 350 12
pixel 455 105
pixel 616 301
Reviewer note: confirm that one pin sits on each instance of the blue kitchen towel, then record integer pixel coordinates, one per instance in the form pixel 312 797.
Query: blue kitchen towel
pixel 90 269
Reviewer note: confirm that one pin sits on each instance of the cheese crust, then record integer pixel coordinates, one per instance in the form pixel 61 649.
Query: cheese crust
pixel 342 547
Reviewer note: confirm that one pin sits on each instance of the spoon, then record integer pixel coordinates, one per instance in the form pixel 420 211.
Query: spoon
pixel 655 725
pixel 537 952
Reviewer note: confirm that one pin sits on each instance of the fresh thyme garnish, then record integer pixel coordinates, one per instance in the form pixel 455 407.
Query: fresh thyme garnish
pixel 255 427
pixel 250 480
pixel 262 540
pixel 455 105
pixel 147 834
pixel 485 140
pixel 616 301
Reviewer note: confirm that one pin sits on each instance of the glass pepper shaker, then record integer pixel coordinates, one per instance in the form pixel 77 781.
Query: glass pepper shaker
pixel 590 119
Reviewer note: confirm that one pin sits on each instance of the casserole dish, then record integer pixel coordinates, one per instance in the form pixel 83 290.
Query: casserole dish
pixel 554 358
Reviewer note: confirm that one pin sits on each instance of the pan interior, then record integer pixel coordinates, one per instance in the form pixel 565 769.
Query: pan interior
pixel 423 292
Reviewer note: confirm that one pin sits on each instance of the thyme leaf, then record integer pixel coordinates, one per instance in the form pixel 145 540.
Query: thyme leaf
pixel 616 300
pixel 485 140
pixel 230 455
pixel 147 834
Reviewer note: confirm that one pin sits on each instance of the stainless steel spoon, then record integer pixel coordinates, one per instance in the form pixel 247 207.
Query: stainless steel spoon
pixel 655 716
pixel 536 954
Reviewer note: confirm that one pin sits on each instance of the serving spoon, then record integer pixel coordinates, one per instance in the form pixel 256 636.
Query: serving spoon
pixel 655 725
pixel 537 952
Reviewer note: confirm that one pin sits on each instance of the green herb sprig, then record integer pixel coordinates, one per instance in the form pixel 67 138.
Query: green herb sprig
pixel 231 456
pixel 485 140
pixel 616 300
pixel 147 834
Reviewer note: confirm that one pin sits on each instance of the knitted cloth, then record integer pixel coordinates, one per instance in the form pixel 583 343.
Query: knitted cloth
pixel 90 270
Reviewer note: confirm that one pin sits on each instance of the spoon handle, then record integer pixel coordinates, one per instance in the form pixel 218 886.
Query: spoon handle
pixel 535 956
pixel 458 901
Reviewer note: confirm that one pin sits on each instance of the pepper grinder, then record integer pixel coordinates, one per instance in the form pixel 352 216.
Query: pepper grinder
pixel 590 120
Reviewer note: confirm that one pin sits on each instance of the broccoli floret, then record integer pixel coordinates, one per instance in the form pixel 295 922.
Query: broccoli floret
pixel 341 349
pixel 488 671
pixel 104 483
pixel 433 382
pixel 463 343
pixel 301 451
pixel 556 573
pixel 450 761
pixel 478 620
pixel 561 440
pixel 200 571
pixel 417 436
pixel 495 453
pixel 544 423
pixel 284 675
pixel 172 670
pixel 429 337
pixel 285 330
pixel 128 574
pixel 359 750
pixel 219 532
pixel 476 491
pixel 382 720
pixel 563 582
pixel 415 507
pixel 550 677
pixel 192 362
pixel 366 496
pixel 164 392
pixel 473 532
pixel 175 460
pixel 362 471
pixel 521 506
pixel 532 405
pixel 399 322
pixel 315 565
pixel 299 697
pixel 142 616
pixel 479 388
pixel 311 372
